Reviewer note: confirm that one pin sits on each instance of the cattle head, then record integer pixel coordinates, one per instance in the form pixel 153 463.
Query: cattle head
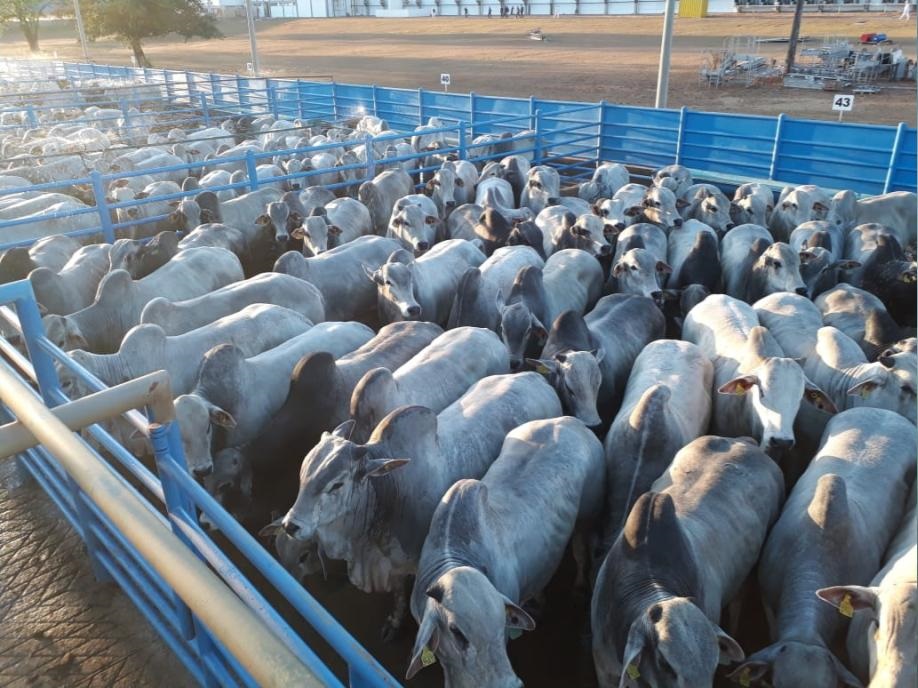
pixel 785 663
pixel 591 228
pixel 576 377
pixel 301 558
pixel 777 269
pixel 396 299
pixel 196 417
pixel 673 643
pixel 820 272
pixel 414 228
pixel 891 610
pixel 374 396
pixel 714 210
pixel 464 623
pixel 442 189
pixel 521 331
pixel 774 388
pixel 277 218
pixel 638 272
pixel 332 476
pixel 616 215
pixel 890 383
pixel 659 207
pixel 843 210
pixel 64 332
pixel 542 189
pixel 187 215
pixel 317 235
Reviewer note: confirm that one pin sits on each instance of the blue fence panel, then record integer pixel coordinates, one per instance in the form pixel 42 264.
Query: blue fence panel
pixel 569 131
pixel 733 144
pixel 905 164
pixel 489 114
pixel 315 100
pixel 400 107
pixel 447 106
pixel 353 100
pixel 639 136
pixel 834 155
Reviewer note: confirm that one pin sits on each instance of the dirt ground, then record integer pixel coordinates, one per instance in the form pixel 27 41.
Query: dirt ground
pixel 585 58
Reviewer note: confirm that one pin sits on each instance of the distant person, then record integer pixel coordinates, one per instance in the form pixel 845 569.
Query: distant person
pixel 489 13
pixel 466 11
pixel 906 11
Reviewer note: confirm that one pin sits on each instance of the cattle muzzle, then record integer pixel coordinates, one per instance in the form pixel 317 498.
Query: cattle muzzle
pixel 677 222
pixel 801 291
pixel 201 472
pixel 780 445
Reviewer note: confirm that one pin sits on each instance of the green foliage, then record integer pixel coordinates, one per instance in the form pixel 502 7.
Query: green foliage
pixel 26 12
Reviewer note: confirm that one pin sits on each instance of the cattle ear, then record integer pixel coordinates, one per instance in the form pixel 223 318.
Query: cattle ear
pixel 820 207
pixel 618 269
pixel 816 397
pixel 664 268
pixel 865 387
pixel 739 385
pixel 517 618
pixel 751 672
pixel 298 232
pixel 372 274
pixel 379 467
pixel 545 367
pixel 173 204
pixel 425 644
pixel 598 354
pixel 220 417
pixel 730 651
pixel 849 598
pixel 262 220
pixel 634 211
pixel 334 230
pixel 539 332
pixel 846 265
pixel 207 216
pixel 597 209
pixel 632 657
pixel 806 255
pixel 908 276
pixel 682 203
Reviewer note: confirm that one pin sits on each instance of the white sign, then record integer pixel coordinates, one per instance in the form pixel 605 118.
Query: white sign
pixel 444 79
pixel 249 67
pixel 843 103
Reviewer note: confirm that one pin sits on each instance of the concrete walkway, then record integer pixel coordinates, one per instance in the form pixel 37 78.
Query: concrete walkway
pixel 59 627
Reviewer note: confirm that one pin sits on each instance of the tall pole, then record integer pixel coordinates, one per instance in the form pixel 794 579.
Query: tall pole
pixel 250 20
pixel 80 30
pixel 665 47
pixel 794 35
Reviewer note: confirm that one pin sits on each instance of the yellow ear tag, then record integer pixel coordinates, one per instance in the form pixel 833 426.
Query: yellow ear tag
pixel 633 672
pixel 845 607
pixel 744 679
pixel 427 657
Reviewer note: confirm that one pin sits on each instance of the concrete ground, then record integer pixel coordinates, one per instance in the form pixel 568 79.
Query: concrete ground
pixel 59 627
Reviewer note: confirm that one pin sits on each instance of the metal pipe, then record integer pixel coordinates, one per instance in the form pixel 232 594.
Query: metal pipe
pixel 81 29
pixel 666 44
pixel 259 651
pixel 150 390
pixel 253 41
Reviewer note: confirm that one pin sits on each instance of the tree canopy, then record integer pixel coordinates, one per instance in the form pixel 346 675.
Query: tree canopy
pixel 132 21
pixel 26 12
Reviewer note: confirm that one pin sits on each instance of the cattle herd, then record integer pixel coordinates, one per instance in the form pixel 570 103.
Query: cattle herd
pixel 473 367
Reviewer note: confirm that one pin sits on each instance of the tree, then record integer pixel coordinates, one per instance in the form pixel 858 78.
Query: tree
pixel 794 36
pixel 132 21
pixel 27 13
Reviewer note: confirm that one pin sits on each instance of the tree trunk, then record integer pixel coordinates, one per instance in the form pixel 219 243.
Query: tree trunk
pixel 794 35
pixel 30 31
pixel 139 54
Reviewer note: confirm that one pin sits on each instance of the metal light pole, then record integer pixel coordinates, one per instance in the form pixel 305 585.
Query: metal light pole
pixel 665 47
pixel 80 30
pixel 250 20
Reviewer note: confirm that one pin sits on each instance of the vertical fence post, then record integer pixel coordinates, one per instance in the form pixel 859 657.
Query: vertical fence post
pixel 167 449
pixel 105 217
pixel 170 86
pixel 537 153
pixel 772 168
pixel 271 88
pixel 599 111
pixel 371 157
pixel 334 95
pixel 125 111
pixel 463 150
pixel 251 169
pixel 215 89
pixel 420 106
pixel 680 134
pixel 205 111
pixel 190 87
pixel 472 116
pixel 532 109
pixel 894 156
pixel 32 117
pixel 375 103
pixel 299 99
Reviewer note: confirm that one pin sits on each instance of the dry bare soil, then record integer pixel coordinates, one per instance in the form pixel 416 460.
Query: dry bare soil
pixel 584 58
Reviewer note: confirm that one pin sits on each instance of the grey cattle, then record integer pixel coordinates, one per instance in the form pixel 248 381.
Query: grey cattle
pixel 434 378
pixel 239 392
pixel 350 217
pixel 642 235
pixel 881 634
pixel 572 280
pixel 818 233
pixel 397 478
pixel 141 257
pixel 481 289
pixel 821 272
pixel 706 203
pixel 147 348
pixel 74 287
pixel 461 222
pixel 466 180
pixel 693 255
pixel 570 362
pixel 759 389
pixel 415 223
pixel 676 178
pixel 608 178
pixel 119 300
pixel 685 551
pixel 796 206
pixel 423 288
pixel 522 316
pixel 895 210
pixel 442 189
pixel 51 252
pixel 753 266
pixel 497 193
pixel 752 204
pixel 861 316
pixel 840 368
pixel 792 320
pixel 835 526
pixel 660 208
pixel 241 212
pixel 638 272
pixel 543 188
pixel 380 195
pixel 625 208
pixel 562 229
pixel 621 326
pixel 178 317
pixel 482 558
pixel 667 404
pixel 339 275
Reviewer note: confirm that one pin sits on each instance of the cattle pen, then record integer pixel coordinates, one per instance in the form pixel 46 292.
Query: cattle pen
pixel 140 525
